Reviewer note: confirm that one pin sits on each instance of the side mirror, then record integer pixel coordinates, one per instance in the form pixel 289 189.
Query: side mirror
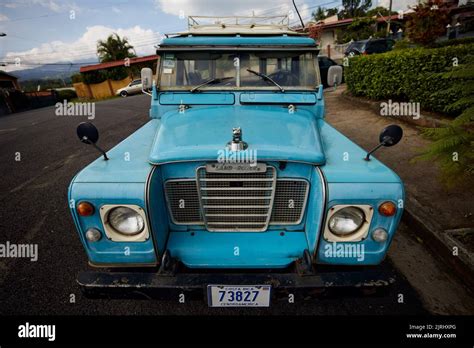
pixel 89 134
pixel 335 75
pixel 147 78
pixel 390 135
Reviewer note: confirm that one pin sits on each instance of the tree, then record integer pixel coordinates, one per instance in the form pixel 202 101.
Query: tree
pixel 359 29
pixel 379 10
pixel 428 22
pixel 319 14
pixel 355 8
pixel 332 12
pixel 453 144
pixel 114 48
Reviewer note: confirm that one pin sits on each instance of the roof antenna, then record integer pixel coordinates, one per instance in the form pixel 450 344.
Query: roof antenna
pixel 298 12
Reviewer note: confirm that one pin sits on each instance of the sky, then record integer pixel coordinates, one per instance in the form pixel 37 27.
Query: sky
pixel 51 31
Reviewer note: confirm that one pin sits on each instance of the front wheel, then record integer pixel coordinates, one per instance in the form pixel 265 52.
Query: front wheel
pixel 123 94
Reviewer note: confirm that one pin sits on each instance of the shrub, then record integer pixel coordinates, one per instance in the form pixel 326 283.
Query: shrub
pixel 404 44
pixel 409 74
pixel 453 42
pixel 118 73
pixel 76 78
pixel 96 76
pixel 65 94
pixel 428 22
pixel 453 145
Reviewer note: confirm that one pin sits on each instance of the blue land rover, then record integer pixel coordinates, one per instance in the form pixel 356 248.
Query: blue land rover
pixel 237 188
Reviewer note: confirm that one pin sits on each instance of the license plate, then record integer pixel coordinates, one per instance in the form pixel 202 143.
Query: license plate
pixel 238 296
pixel 236 168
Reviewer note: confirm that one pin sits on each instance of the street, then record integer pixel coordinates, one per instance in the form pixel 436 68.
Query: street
pixel 40 154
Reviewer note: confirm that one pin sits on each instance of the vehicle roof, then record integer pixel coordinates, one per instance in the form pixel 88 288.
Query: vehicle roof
pixel 239 41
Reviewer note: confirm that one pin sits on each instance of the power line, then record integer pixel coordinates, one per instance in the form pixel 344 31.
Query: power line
pixel 60 14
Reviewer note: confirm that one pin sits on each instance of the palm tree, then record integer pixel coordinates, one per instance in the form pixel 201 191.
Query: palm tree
pixel 114 48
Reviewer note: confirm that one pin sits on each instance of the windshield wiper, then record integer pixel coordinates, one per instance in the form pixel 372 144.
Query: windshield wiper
pixel 266 78
pixel 211 81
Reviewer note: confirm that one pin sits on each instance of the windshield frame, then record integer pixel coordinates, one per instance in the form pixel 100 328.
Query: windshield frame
pixel 237 50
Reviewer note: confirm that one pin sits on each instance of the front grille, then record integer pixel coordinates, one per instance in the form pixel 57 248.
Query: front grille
pixel 229 200
pixel 290 201
pixel 183 201
pixel 237 202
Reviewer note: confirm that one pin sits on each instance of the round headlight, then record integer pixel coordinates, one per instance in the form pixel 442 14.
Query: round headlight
pixel 346 221
pixel 126 221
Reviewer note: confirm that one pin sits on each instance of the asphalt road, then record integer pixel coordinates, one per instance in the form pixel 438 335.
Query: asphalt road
pixel 33 209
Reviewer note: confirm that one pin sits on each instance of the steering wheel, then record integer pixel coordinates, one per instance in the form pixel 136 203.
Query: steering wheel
pixel 285 78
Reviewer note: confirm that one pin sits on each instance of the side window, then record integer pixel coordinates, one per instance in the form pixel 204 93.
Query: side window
pixel 376 47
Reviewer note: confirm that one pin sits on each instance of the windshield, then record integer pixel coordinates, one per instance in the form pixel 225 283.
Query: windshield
pixel 358 45
pixel 224 70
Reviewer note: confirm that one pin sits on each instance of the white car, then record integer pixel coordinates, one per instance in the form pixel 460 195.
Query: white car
pixel 133 87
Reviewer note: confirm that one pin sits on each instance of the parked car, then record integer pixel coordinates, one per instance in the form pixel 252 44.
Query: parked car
pixel 133 87
pixel 369 46
pixel 324 64
pixel 237 188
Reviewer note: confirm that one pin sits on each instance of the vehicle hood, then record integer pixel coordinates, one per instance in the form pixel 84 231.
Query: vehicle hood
pixel 271 131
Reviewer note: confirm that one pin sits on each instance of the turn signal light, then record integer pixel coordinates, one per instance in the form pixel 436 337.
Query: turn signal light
pixel 85 209
pixel 387 209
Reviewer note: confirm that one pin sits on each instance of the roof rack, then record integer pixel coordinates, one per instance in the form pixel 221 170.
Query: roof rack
pixel 209 25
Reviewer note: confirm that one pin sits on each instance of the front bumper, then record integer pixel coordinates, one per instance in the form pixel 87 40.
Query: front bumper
pixel 152 284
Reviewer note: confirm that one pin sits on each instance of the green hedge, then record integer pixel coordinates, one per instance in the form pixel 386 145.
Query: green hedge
pixel 405 75
pixel 453 42
pixel 65 94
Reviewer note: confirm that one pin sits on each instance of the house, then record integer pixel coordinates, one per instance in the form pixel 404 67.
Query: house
pixel 330 27
pixel 107 87
pixel 8 81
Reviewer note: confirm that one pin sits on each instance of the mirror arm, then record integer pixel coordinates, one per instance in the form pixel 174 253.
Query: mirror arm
pixel 101 151
pixel 146 92
pixel 87 141
pixel 386 140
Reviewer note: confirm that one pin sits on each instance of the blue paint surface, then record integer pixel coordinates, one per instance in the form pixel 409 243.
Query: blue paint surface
pixel 105 250
pixel 372 194
pixel 255 250
pixel 200 134
pixel 238 41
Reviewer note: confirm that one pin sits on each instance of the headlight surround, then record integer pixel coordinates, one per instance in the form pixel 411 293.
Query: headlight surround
pixel 346 221
pixel 126 221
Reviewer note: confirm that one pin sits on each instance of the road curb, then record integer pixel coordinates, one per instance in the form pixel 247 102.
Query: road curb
pixel 438 241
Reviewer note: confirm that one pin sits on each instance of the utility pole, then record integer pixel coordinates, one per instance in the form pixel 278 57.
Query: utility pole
pixel 389 17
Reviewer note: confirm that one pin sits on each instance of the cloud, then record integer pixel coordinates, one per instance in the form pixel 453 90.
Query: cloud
pixel 221 8
pixel 84 48
pixel 397 5
pixel 52 5
pixel 3 17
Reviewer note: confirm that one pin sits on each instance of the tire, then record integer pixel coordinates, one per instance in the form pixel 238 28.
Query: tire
pixel 124 94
